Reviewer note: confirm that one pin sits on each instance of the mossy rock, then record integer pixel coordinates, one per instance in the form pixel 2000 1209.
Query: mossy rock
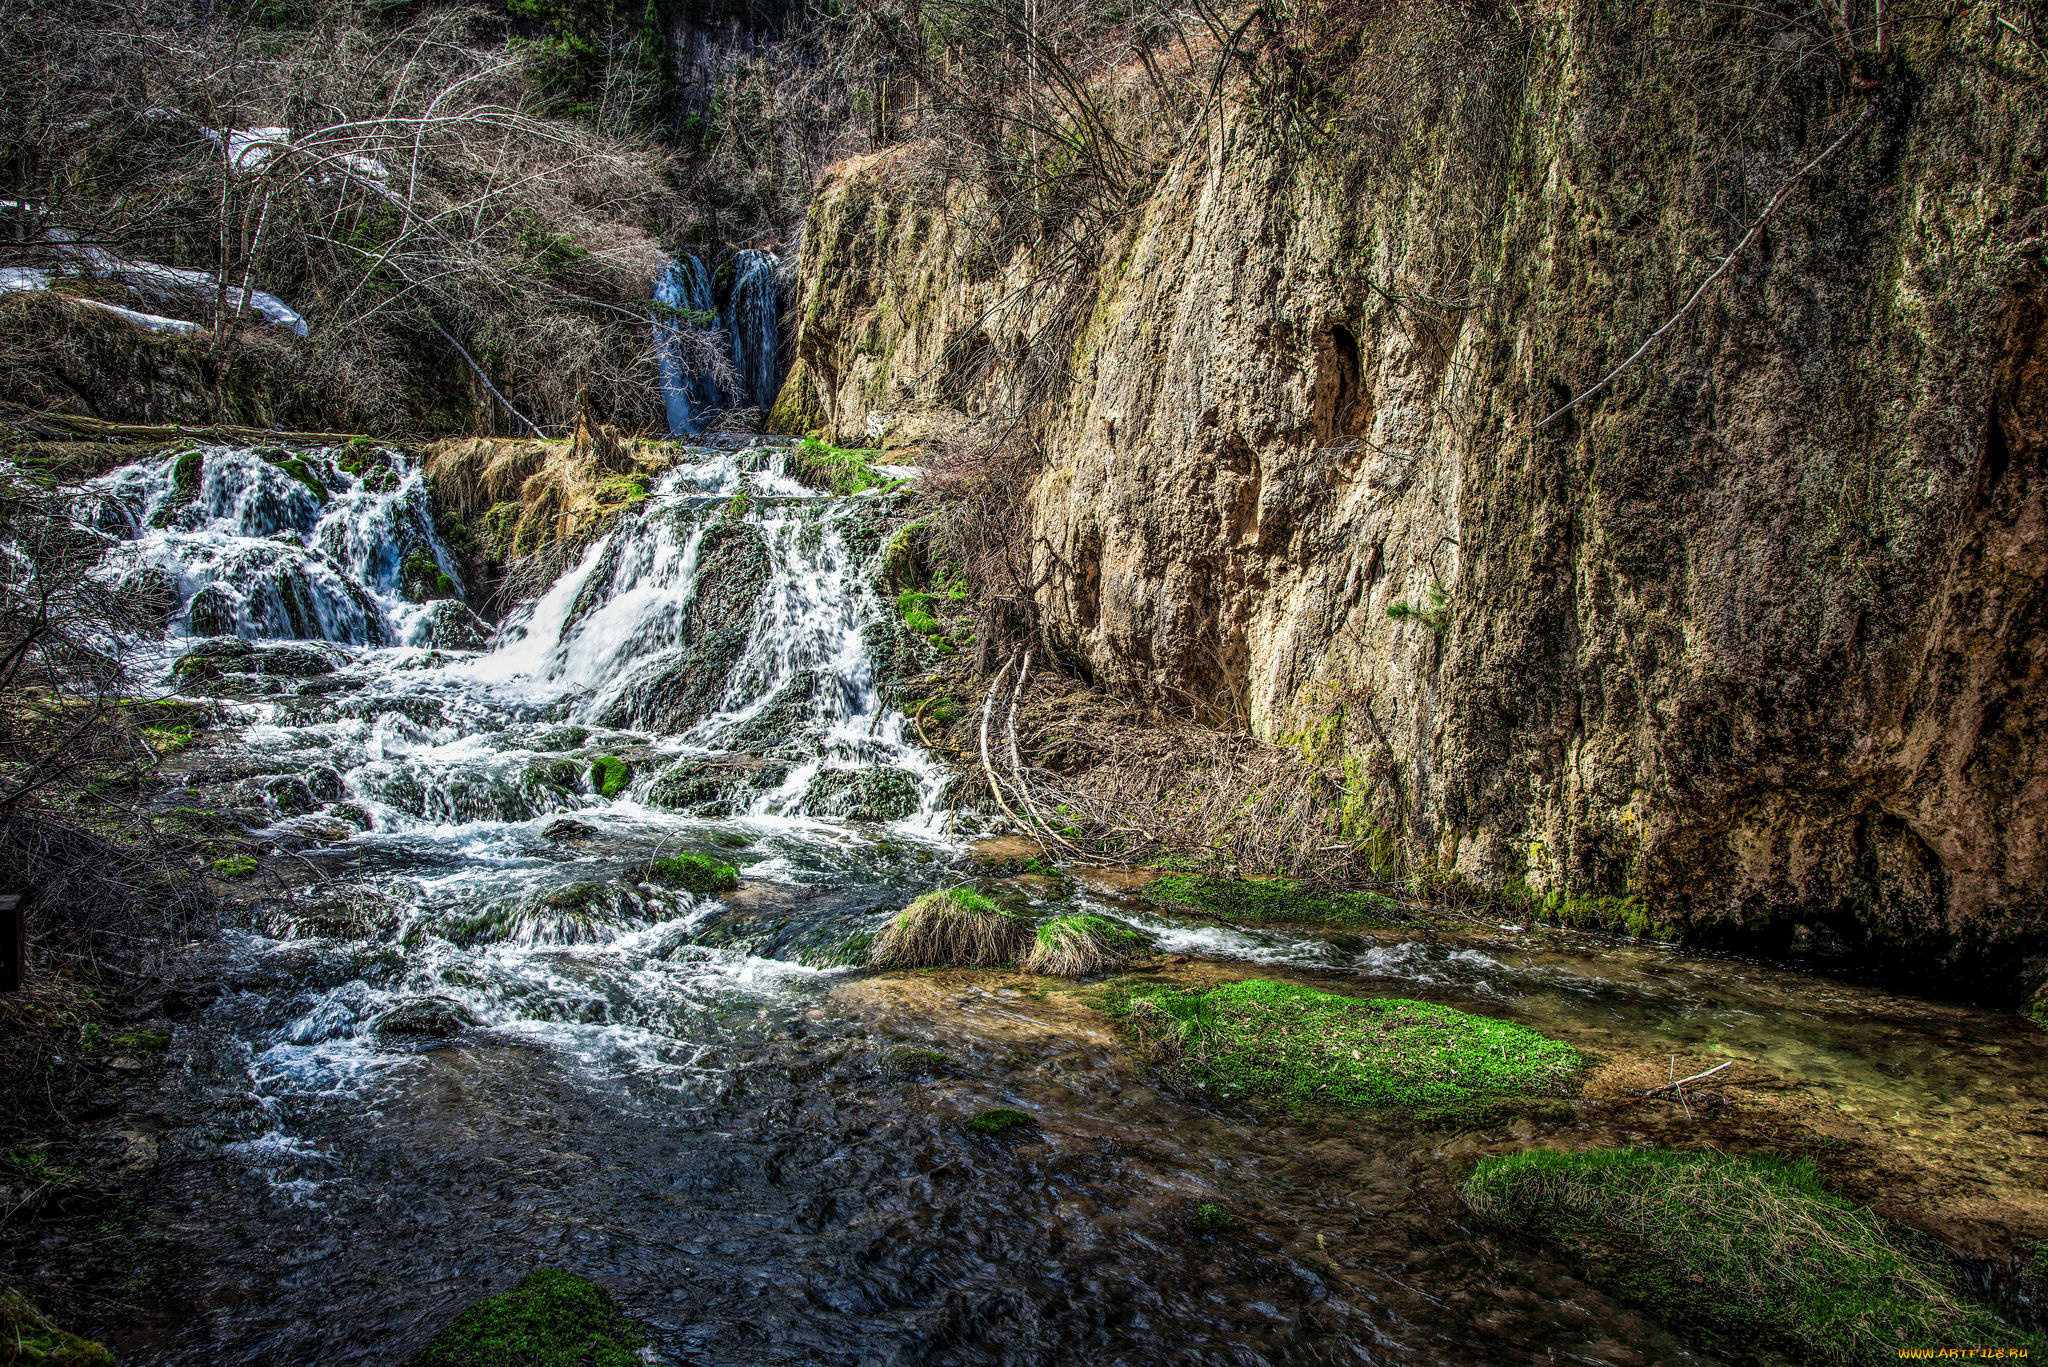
pixel 1750 1253
pixel 189 474
pixel 450 625
pixel 695 873
pixel 875 794
pixel 421 578
pixel 609 775
pixel 1301 1047
pixel 30 1340
pixel 212 611
pixel 1262 902
pixel 561 738
pixel 425 1018
pixel 550 1319
pixel 712 787
pixel 1001 1120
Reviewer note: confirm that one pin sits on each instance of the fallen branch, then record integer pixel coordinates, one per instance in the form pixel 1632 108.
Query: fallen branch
pixel 174 431
pixel 1777 201
pixel 988 767
pixel 1680 1084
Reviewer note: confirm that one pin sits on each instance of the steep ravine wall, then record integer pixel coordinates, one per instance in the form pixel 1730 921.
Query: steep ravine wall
pixel 1755 641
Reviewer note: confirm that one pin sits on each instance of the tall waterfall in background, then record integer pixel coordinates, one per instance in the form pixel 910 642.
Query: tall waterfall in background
pixel 748 316
pixel 684 286
pixel 750 320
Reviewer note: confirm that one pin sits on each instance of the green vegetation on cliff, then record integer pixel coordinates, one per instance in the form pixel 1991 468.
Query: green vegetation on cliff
pixel 1748 1252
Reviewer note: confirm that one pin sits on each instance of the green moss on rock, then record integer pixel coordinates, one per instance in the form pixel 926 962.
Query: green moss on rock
pixel 1298 1046
pixel 1747 1252
pixel 696 873
pixel 1273 902
pixel 1001 1120
pixel 609 775
pixel 551 1319
pixel 30 1340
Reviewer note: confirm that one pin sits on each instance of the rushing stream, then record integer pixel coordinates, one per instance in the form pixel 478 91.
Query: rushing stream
pixel 689 1100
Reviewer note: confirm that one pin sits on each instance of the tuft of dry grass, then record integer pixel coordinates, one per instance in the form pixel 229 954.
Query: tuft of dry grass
pixel 1081 946
pixel 954 926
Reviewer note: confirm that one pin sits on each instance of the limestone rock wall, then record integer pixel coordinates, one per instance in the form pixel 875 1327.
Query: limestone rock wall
pixel 1753 642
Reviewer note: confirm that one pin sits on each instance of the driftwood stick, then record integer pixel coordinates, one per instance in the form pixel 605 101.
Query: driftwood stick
pixel 1679 1085
pixel 988 705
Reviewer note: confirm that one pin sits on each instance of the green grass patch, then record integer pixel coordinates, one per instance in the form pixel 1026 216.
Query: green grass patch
pixel 551 1319
pixel 834 469
pixel 1302 1047
pixel 609 775
pixel 1077 946
pixel 697 873
pixel 1745 1252
pixel 1001 1120
pixel 1274 901
pixel 1210 1218
pixel 236 866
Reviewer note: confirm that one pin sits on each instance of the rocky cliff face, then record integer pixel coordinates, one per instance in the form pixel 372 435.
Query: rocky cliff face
pixel 1752 642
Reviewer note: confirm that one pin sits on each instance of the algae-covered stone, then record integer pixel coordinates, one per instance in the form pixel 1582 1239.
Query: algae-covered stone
pixel 30 1340
pixel 550 1319
pixel 1299 1046
pixel 879 793
pixel 696 873
pixel 448 624
pixel 212 611
pixel 425 1018
pixel 1748 1252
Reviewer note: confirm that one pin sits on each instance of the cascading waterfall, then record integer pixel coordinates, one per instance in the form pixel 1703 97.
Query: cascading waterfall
pixel 749 317
pixel 331 545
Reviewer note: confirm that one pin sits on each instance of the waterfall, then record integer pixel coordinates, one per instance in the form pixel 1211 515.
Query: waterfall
pixel 684 286
pixel 333 545
pixel 749 318
pixel 751 321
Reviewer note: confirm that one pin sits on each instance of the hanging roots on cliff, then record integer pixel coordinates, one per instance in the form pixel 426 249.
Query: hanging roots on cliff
pixel 1095 782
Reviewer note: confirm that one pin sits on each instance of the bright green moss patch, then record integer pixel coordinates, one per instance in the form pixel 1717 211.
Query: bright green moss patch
pixel 1001 1120
pixel 1303 1047
pixel 1746 1252
pixel 1210 1218
pixel 610 775
pixel 189 473
pixel 1076 946
pixel 697 873
pixel 422 579
pixel 1274 902
pixel 551 1319
pixel 32 1341
pixel 834 469
pixel 239 866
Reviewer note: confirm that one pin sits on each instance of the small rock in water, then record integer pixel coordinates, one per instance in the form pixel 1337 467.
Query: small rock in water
pixel 567 831
pixel 425 1018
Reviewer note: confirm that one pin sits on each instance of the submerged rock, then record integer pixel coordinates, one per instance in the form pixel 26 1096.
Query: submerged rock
pixel 879 793
pixel 448 624
pixel 425 1018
